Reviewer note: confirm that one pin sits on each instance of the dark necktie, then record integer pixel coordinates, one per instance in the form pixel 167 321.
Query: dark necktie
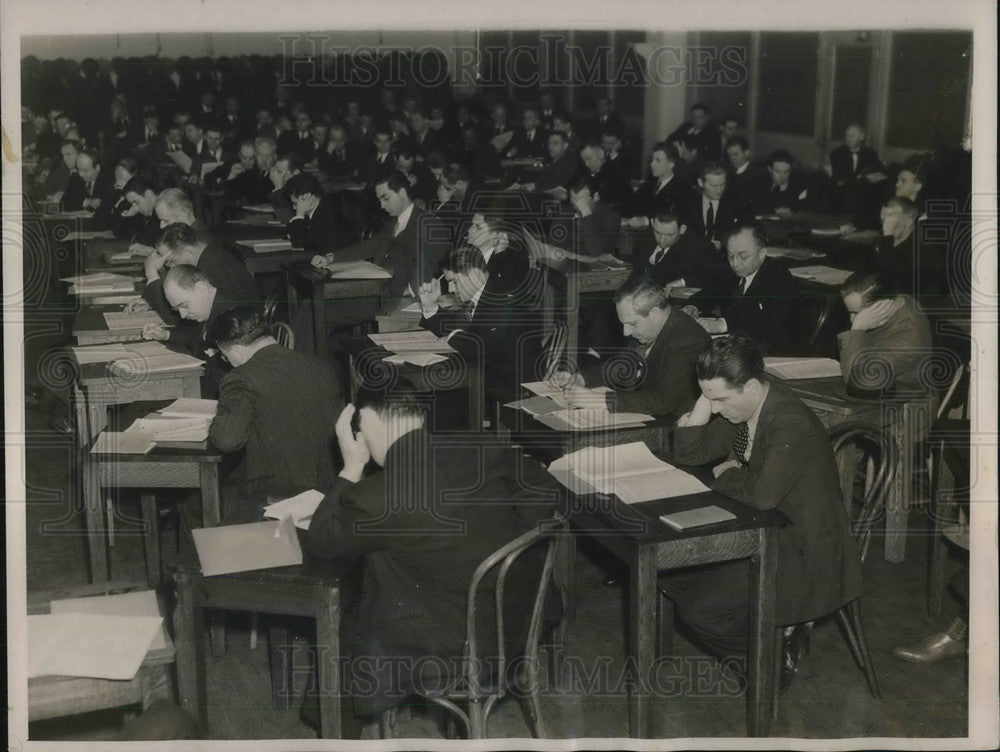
pixel 710 221
pixel 658 254
pixel 741 442
pixel 741 287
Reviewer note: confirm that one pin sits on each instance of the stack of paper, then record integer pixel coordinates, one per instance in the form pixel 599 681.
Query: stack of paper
pixel 597 417
pixel 246 548
pixel 120 320
pixel 269 246
pixel 300 508
pixel 99 353
pixel 710 515
pixel 802 368
pixel 160 427
pixel 577 396
pixel 795 254
pixel 143 360
pixel 825 275
pixel 422 359
pixel 102 282
pixel 630 471
pixel 125 442
pixel 90 235
pixel 357 270
pixel 102 646
pixel 420 340
pixel 191 407
pixel 536 405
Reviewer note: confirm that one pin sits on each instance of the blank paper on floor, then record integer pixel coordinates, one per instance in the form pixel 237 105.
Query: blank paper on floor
pixel 139 603
pixel 100 646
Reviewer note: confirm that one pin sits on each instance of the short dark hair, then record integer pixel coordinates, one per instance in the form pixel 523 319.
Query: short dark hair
pixel 128 164
pixel 669 149
pixel 711 168
pixel 400 399
pixel 301 184
pixel 139 184
pixel 699 106
pixel 904 205
pixel 780 155
pixel 868 284
pixel 644 293
pixel 739 141
pixel 463 260
pixel 179 235
pixel 666 217
pixel 185 276
pixel 238 326
pixel 584 181
pixel 735 359
pixel 293 159
pixel 406 150
pixel 395 181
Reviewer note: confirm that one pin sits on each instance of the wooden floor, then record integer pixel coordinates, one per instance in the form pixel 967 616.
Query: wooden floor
pixel 828 699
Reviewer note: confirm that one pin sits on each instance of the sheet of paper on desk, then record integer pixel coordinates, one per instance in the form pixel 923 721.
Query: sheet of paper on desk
pixel 413 308
pixel 115 299
pixel 825 231
pixel 246 548
pixel 117 320
pixel 536 405
pixel 92 235
pixel 139 365
pixel 422 359
pixel 795 254
pixel 99 278
pixel 300 508
pixel 357 270
pixel 138 603
pixel 682 293
pixel 165 428
pixel 100 646
pixel 419 340
pixel 825 275
pixel 709 515
pixel 631 472
pixel 269 246
pixel 802 368
pixel 99 353
pixel 259 208
pixel 122 442
pixel 191 407
pixel 130 255
pixel 596 417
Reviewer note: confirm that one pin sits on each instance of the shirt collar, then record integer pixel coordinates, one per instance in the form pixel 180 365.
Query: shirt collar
pixel 748 280
pixel 742 168
pixel 403 219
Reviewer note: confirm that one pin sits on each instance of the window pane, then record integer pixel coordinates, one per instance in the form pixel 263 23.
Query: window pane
pixel 788 75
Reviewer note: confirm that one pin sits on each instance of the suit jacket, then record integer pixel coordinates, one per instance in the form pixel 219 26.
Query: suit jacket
pixel 648 201
pixel 766 199
pixel 326 230
pixel 336 165
pixel 708 139
pixel 421 527
pixel 915 268
pixel 289 142
pixel 503 336
pixel 766 309
pixel 741 187
pixel 482 160
pixel 792 469
pixel 509 271
pixel 523 147
pixel 104 189
pixel 427 145
pixel 842 167
pixel 592 235
pixel 280 408
pixel 137 228
pixel 726 218
pixel 251 186
pixel 661 383
pixel 224 156
pixel 691 258
pixel 613 187
pixel 558 173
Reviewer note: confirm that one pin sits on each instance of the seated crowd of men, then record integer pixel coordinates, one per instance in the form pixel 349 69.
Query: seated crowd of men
pixel 428 169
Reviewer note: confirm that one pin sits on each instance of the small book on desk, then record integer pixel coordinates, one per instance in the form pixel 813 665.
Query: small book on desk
pixel 269 246
pixel 689 518
pixel 802 368
pixel 825 275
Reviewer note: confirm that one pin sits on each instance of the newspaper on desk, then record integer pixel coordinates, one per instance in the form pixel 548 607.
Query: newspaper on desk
pixel 802 368
pixel 629 471
pixel 119 320
pixel 186 420
pixel 416 341
pixel 794 254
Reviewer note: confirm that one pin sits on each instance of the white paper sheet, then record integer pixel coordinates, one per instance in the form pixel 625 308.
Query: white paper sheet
pixel 802 368
pixel 138 603
pixel 245 548
pixel 300 508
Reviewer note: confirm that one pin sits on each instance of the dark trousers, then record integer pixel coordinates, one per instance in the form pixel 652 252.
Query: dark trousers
pixel 713 604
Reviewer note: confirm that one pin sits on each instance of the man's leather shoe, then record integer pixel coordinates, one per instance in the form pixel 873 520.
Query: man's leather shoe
pixel 952 643
pixel 794 645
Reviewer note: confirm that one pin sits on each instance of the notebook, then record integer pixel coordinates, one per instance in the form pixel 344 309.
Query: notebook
pixel 709 515
pixel 802 368
pixel 246 548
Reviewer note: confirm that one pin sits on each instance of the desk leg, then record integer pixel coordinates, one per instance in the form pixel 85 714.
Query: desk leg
pixel 476 398
pixel 572 304
pixel 211 497
pixel 190 643
pixel 151 538
pixel 760 671
pixel 642 619
pixel 328 662
pixel 93 507
pixel 319 321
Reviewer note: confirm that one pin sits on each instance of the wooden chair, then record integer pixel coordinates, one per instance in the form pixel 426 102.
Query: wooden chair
pixel 480 694
pixel 284 334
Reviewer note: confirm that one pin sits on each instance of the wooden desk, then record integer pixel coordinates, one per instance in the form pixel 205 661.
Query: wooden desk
pixel 275 261
pixel 636 536
pixel 573 278
pixel 828 398
pixel 367 367
pixel 304 279
pixel 179 465
pixel 392 318
pixel 91 328
pixel 311 589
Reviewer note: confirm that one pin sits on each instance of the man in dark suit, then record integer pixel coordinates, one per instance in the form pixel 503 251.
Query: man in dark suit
pixel 240 179
pixel 773 453
pixel 592 229
pixel 655 375
pixel 604 119
pixel 712 214
pixel 422 524
pixel 849 163
pixel 423 140
pixel 529 138
pixel 560 171
pixel 763 302
pixel 90 188
pixel 212 153
pixel 138 223
pixel 704 132
pixel 613 186
pixel 423 184
pixel 662 191
pixel 318 224
pixel 744 174
pixel 379 164
pixel 783 191
pixel 673 257
pixel 479 157
pixel 337 158
pixel 278 406
pixel 300 139
pixel 490 327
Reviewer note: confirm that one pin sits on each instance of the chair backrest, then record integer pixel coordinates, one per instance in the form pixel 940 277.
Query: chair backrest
pixel 501 560
pixel 956 397
pixel 856 446
pixel 284 334
pixel 271 308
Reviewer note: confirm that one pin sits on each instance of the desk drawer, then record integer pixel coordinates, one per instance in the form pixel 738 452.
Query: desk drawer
pixel 149 475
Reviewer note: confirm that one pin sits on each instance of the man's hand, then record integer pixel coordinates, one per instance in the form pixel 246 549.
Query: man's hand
pixel 319 261
pixel 136 306
pixel 92 203
pixel 430 294
pixel 890 222
pixel 699 414
pixel 57 196
pixel 305 204
pixel 723 466
pixel 566 380
pixel 874 315
pixel 141 249
pixel 354 449
pixel 691 310
pixel 581 208
pixel 712 325
pixel 156 332
pixel 559 193
pixel 153 263
pixel 131 211
pixel 636 223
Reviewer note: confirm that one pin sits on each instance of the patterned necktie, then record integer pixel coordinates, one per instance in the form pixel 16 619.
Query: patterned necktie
pixel 710 220
pixel 741 443
pixel 741 287
pixel 468 308
pixel 657 256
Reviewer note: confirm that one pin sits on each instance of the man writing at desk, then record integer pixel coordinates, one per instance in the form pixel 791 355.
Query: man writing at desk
pixel 657 377
pixel 772 452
